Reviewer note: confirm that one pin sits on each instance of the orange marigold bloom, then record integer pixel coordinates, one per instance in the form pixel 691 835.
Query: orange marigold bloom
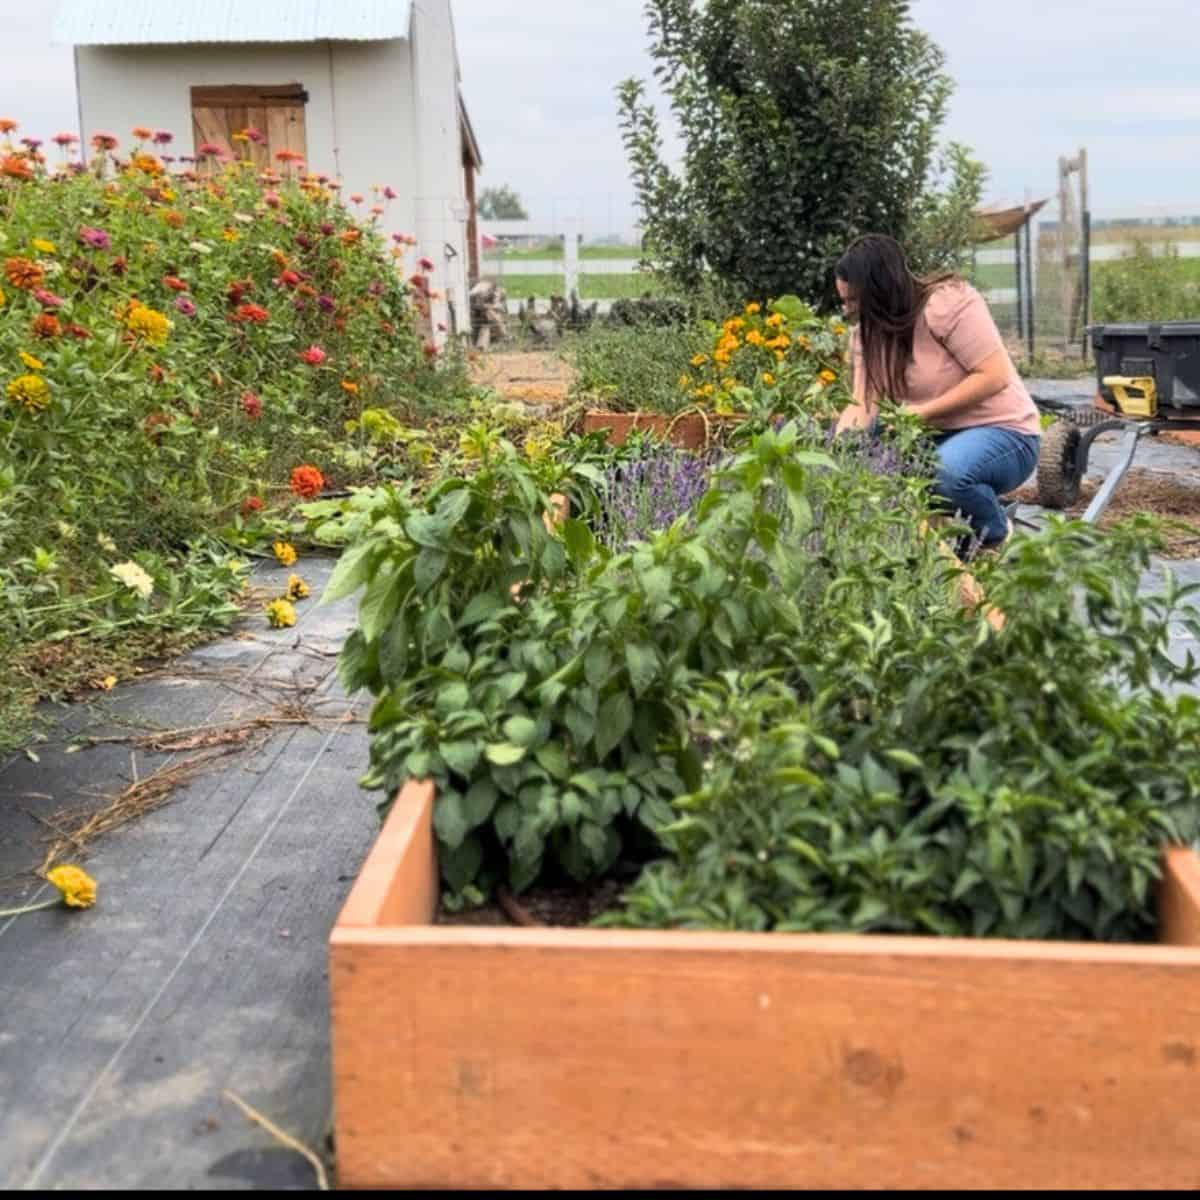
pixel 23 274
pixel 307 482
pixel 46 326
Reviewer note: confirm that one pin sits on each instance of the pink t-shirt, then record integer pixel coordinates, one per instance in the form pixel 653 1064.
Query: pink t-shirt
pixel 953 335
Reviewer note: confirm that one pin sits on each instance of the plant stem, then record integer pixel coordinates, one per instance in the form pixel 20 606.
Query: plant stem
pixel 17 912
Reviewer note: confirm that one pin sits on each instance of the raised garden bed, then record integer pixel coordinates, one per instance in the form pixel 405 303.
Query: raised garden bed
pixel 687 430
pixel 554 1058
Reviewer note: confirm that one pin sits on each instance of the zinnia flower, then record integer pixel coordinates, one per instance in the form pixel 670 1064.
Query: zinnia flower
pixel 134 578
pixel 119 265
pixel 208 150
pixel 288 156
pixel 142 133
pixel 271 199
pixel 147 323
pixel 7 125
pixel 285 552
pixel 104 141
pixel 174 283
pixel 64 139
pixel 351 236
pixel 251 505
pixel 350 387
pixel 163 137
pixel 78 331
pixel 389 193
pixel 314 356
pixel 281 614
pixel 34 364
pixel 251 405
pixel 290 278
pixel 307 482
pixel 426 264
pixel 42 246
pixel 355 198
pixel 30 391
pixel 185 306
pixel 47 299
pixel 297 589
pixel 78 888
pixel 254 135
pixel 253 313
pixel 326 303
pixel 46 326
pixel 15 167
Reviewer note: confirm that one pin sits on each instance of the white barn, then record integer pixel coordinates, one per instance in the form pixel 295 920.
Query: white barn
pixel 368 91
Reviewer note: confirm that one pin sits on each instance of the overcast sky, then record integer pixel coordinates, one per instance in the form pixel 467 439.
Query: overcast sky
pixel 1035 79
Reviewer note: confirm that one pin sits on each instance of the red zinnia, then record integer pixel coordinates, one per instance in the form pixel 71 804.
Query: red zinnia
pixel 174 283
pixel 251 405
pixel 46 326
pixel 307 482
pixel 290 278
pixel 104 141
pixel 251 504
pixel 254 313
pixel 426 264
pixel 78 331
pixel 314 356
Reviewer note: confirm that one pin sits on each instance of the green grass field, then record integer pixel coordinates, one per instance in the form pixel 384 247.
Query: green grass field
pixel 586 253
pixel 591 287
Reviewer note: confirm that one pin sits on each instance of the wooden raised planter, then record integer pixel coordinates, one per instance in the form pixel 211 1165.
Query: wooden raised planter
pixel 688 431
pixel 468 1057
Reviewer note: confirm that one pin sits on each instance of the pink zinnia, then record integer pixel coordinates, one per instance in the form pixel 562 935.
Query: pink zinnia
pixel 208 149
pixel 389 193
pixel 96 238
pixel 255 136
pixel 426 264
pixel 47 299
pixel 163 137
pixel 185 306
pixel 104 141
pixel 64 139
pixel 271 199
pixel 314 356
pixel 377 210
pixel 355 198
pixel 326 303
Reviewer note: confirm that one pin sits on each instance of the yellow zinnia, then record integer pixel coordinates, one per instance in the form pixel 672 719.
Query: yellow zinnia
pixel 77 886
pixel 34 364
pixel 30 391
pixel 43 246
pixel 286 553
pixel 281 614
pixel 147 323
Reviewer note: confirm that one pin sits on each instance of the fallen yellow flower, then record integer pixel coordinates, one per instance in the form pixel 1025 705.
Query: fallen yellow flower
pixel 297 589
pixel 281 614
pixel 77 889
pixel 285 552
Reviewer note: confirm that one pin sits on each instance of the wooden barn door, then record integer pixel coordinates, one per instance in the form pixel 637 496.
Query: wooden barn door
pixel 276 111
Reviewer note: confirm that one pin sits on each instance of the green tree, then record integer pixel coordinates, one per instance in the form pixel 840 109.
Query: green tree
pixel 804 123
pixel 501 204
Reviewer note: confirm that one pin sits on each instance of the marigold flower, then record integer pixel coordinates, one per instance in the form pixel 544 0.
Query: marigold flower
pixel 753 309
pixel 252 405
pixel 281 614
pixel 255 314
pixel 30 391
pixel 104 141
pixel 314 356
pixel 46 326
pixel 768 379
pixel 147 323
pixel 297 589
pixel 78 888
pixel 307 481
pixel 828 376
pixel 22 273
pixel 173 218
pixel 685 381
pixel 185 306
pixel 134 577
pixel 754 338
pixel 34 364
pixel 699 360
pixel 776 320
pixel 251 505
pixel 350 387
pixel 285 552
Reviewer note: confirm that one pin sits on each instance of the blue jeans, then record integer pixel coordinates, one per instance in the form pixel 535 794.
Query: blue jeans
pixel 975 467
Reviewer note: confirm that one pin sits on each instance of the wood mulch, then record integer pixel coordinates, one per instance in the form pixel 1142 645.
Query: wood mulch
pixel 532 377
pixel 1141 491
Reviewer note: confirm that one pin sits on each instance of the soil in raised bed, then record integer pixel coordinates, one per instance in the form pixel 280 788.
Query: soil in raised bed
pixel 561 906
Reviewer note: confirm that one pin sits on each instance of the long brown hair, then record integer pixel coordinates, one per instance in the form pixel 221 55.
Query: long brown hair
pixel 890 299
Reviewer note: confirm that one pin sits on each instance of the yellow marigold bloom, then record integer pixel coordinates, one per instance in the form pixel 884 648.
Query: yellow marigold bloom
pixel 776 320
pixel 724 406
pixel 149 324
pixel 707 390
pixel 805 344
pixel 753 309
pixel 168 194
pixel 754 338
pixel 839 329
pixel 297 589
pixel 43 246
pixel 77 886
pixel 768 379
pixel 729 384
pixel 231 235
pixel 30 391
pixel 828 376
pixel 34 364
pixel 722 357
pixel 779 356
pixel 699 360
pixel 281 614
pixel 286 553
pixel 685 381
pixel 737 323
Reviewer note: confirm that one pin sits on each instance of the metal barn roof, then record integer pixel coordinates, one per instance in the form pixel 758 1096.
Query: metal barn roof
pixel 153 22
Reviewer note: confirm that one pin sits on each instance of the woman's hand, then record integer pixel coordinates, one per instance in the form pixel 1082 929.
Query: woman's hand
pixel 991 376
pixel 854 416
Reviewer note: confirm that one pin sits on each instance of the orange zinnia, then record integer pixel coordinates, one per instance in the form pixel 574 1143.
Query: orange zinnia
pixel 46 326
pixel 15 167
pixel 23 274
pixel 174 283
pixel 307 482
